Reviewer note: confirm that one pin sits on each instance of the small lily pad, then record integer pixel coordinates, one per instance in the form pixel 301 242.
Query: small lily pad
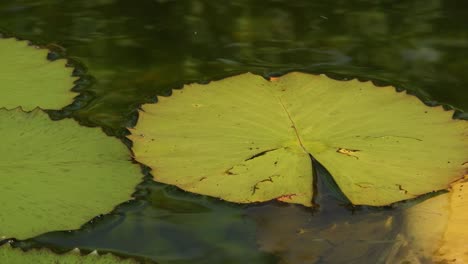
pixel 246 139
pixel 29 80
pixel 57 175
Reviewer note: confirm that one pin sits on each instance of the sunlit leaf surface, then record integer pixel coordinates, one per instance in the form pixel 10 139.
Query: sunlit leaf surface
pixel 29 80
pixel 436 228
pixel 246 139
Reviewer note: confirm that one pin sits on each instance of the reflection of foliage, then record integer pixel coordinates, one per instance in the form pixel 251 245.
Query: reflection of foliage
pixel 137 51
pixel 297 237
pixel 172 227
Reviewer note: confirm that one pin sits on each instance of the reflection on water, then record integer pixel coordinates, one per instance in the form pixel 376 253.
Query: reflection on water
pixel 170 226
pixel 330 234
pixel 297 236
pixel 135 51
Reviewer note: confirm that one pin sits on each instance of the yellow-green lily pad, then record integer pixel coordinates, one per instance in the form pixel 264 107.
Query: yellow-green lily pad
pixel 29 80
pixel 57 175
pixel 246 139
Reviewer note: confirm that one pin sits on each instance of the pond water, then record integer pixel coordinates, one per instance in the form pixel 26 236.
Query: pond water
pixel 131 51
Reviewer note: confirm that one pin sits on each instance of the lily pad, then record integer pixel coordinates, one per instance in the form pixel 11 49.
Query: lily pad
pixel 29 80
pixel 12 255
pixel 57 175
pixel 436 228
pixel 246 139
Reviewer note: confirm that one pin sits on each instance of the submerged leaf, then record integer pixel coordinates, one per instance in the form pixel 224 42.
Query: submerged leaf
pixel 12 255
pixel 58 175
pixel 296 236
pixel 245 139
pixel 29 80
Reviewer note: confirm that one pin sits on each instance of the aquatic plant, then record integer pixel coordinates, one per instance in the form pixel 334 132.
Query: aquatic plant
pixel 246 139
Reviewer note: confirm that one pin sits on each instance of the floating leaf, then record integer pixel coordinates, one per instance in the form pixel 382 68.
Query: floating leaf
pixel 29 80
pixel 436 228
pixel 12 255
pixel 58 175
pixel 245 139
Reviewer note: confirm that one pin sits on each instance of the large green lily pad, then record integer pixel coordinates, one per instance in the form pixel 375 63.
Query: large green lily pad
pixel 44 256
pixel 246 139
pixel 57 175
pixel 29 80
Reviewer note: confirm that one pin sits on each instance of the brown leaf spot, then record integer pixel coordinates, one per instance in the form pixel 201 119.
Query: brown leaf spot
pixel 401 188
pixel 286 197
pixel 348 152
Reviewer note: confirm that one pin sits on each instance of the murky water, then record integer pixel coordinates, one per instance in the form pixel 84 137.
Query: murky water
pixel 133 51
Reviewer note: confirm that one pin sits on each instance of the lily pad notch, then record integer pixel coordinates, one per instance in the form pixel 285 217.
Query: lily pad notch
pixel 246 139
